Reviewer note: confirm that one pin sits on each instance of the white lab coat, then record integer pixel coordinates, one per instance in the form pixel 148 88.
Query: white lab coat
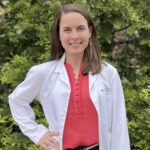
pixel 49 84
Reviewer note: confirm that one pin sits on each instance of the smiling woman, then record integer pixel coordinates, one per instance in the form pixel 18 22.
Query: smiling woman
pixel 74 37
pixel 66 20
pixel 82 97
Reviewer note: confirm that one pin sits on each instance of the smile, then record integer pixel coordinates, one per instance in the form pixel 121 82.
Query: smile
pixel 75 44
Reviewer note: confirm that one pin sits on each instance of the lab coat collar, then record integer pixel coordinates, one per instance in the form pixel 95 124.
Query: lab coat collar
pixel 64 77
pixel 60 65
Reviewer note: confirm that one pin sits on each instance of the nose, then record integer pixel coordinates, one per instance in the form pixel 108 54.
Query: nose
pixel 74 35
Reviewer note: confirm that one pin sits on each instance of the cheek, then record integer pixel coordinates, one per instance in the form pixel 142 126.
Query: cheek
pixel 62 37
pixel 63 40
pixel 89 35
pixel 86 35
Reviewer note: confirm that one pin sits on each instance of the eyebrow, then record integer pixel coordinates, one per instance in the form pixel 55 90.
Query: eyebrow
pixel 80 26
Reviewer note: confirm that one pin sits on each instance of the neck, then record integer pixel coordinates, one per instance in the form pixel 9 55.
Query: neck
pixel 74 61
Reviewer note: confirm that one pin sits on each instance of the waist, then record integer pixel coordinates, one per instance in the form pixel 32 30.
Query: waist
pixel 91 147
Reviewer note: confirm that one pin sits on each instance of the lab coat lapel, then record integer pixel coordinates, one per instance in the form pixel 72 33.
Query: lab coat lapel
pixel 92 80
pixel 61 70
pixel 93 90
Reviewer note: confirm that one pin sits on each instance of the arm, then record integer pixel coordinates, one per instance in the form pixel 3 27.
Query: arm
pixel 120 136
pixel 21 110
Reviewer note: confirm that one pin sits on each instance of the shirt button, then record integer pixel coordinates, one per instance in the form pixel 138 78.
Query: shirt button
pixel 79 112
pixel 78 107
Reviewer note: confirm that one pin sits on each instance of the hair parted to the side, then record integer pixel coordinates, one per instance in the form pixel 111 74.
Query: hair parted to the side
pixel 92 54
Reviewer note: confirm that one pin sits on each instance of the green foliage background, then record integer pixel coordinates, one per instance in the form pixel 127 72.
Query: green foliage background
pixel 25 36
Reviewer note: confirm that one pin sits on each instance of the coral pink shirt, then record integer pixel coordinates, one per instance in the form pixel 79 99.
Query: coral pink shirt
pixel 81 125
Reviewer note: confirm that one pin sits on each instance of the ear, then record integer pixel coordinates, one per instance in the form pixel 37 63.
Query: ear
pixel 90 31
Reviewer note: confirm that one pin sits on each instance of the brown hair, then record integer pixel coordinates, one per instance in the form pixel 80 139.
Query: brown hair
pixel 92 55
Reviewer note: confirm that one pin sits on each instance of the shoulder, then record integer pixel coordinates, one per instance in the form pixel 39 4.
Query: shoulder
pixel 41 70
pixel 108 68
pixel 44 67
pixel 108 71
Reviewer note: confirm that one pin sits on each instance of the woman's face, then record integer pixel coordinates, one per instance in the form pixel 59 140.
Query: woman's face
pixel 74 33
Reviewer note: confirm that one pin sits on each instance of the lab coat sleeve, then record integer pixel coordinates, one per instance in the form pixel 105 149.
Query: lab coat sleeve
pixel 120 136
pixel 19 102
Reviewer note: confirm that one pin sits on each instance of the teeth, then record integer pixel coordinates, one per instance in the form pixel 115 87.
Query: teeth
pixel 75 43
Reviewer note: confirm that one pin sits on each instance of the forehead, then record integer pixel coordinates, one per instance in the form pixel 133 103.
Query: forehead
pixel 72 18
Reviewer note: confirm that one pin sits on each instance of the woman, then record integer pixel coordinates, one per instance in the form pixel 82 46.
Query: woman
pixel 81 96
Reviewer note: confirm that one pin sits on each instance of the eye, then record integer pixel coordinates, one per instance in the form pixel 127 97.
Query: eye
pixel 81 28
pixel 67 30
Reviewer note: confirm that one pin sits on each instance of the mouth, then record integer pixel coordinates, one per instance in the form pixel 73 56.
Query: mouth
pixel 75 43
